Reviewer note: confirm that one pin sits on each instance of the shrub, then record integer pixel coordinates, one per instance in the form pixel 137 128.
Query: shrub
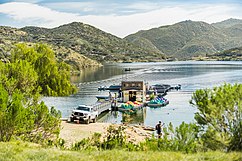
pixel 220 116
pixel 183 138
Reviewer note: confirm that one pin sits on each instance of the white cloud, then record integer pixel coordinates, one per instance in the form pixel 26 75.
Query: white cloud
pixel 144 6
pixel 74 6
pixel 33 14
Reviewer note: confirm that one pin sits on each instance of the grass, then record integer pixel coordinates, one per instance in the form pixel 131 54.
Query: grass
pixel 22 151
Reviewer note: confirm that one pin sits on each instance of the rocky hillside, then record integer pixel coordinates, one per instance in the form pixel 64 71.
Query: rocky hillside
pixel 93 43
pixel 10 36
pixel 189 39
pixel 234 54
pixel 82 45
pixel 227 23
pixel 79 44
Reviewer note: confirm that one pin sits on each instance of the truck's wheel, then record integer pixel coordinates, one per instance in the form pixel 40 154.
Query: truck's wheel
pixel 95 119
pixel 71 119
pixel 88 121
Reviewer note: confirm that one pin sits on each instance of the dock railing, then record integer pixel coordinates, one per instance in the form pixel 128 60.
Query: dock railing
pixel 102 106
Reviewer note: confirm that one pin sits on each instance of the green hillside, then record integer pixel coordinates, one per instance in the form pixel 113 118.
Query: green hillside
pixel 10 36
pixel 233 54
pixel 93 43
pixel 188 39
pixel 79 44
pixel 82 45
pixel 227 23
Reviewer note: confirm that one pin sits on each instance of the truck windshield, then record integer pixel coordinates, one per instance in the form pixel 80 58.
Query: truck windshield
pixel 83 108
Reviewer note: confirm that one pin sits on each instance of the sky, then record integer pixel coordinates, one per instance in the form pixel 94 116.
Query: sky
pixel 118 17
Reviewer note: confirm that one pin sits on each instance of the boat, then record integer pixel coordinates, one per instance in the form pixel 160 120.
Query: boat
pixel 156 105
pixel 114 87
pixel 158 102
pixel 130 107
pixel 178 87
pixel 103 97
pixel 127 69
pixel 102 88
pixel 161 88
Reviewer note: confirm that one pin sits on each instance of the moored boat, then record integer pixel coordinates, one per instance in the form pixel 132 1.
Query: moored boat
pixel 158 102
pixel 102 88
pixel 103 97
pixel 130 107
pixel 114 88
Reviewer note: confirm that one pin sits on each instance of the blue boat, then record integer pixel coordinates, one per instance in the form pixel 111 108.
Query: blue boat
pixel 158 102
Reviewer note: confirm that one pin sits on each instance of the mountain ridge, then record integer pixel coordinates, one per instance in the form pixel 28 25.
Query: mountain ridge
pixel 93 43
pixel 79 44
pixel 187 39
pixel 83 45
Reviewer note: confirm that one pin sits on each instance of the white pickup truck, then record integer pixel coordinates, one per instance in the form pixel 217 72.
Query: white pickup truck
pixel 84 113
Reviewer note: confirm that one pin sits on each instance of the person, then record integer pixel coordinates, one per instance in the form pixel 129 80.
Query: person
pixel 155 91
pixel 158 129
pixel 110 96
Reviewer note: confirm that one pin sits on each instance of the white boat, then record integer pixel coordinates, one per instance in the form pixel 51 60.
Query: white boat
pixel 103 97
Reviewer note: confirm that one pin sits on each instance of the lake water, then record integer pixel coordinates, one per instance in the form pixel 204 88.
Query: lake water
pixel 191 75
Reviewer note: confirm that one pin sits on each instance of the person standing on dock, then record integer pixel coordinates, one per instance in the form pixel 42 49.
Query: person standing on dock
pixel 110 96
pixel 155 91
pixel 158 129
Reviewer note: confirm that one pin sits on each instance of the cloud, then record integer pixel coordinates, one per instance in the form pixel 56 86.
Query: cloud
pixel 73 6
pixel 37 15
pixel 119 25
pixel 144 6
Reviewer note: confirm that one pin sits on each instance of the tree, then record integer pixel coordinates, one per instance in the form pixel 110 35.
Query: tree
pixel 53 76
pixel 32 71
pixel 220 116
pixel 30 122
pixel 11 113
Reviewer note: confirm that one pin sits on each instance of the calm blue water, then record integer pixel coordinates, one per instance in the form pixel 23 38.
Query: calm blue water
pixel 191 75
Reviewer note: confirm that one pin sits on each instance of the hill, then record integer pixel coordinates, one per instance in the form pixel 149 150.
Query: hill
pixel 188 39
pixel 228 23
pixel 80 45
pixel 10 36
pixel 234 54
pixel 92 42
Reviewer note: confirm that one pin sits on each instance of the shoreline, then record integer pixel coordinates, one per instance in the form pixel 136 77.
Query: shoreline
pixel 73 132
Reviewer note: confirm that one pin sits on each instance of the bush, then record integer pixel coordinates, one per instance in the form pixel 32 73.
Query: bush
pixel 32 71
pixel 220 116
pixel 183 138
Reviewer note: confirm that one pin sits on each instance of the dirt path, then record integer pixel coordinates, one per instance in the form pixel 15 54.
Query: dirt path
pixel 73 132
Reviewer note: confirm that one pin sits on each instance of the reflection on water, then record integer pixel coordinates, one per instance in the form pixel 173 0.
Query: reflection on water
pixel 191 75
pixel 136 118
pixel 96 73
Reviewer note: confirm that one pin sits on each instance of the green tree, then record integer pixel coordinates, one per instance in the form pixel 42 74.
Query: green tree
pixel 30 122
pixel 220 116
pixel 32 71
pixel 12 113
pixel 53 76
